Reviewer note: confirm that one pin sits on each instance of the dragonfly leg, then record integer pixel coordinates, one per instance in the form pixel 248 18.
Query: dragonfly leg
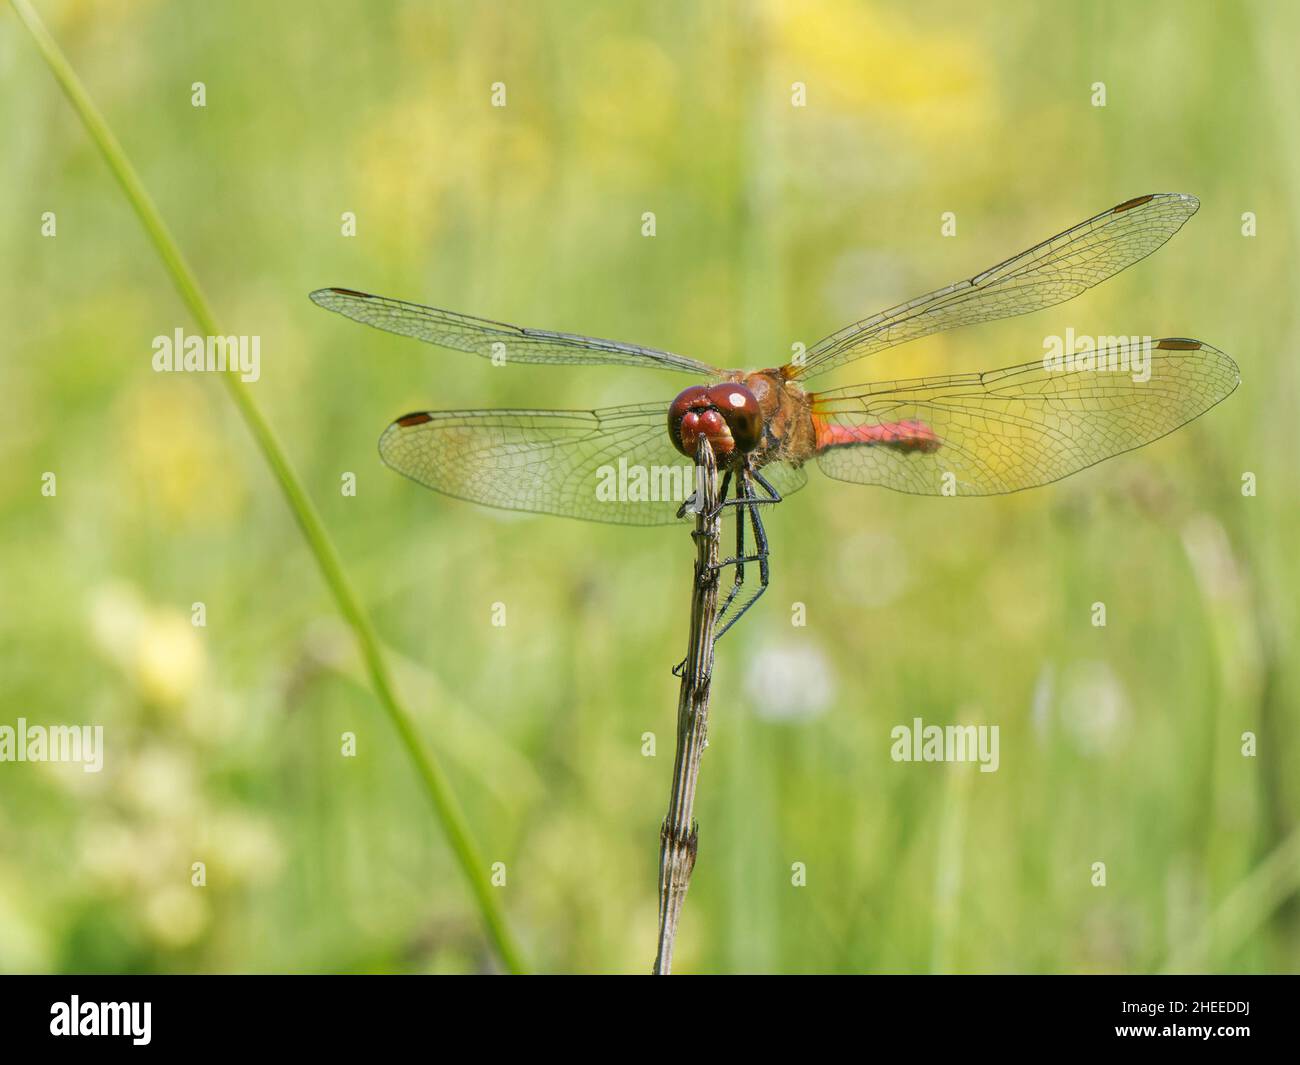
pixel 773 495
pixel 738 560
pixel 760 544
pixel 748 500
pixel 753 499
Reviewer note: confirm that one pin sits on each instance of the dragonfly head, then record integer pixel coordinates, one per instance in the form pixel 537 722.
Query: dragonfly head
pixel 728 414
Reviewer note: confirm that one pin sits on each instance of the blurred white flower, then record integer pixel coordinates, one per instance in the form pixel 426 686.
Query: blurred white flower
pixel 160 782
pixel 1094 706
pixel 116 617
pixel 789 681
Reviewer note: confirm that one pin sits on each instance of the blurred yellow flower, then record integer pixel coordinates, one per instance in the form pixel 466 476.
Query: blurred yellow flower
pixel 244 848
pixel 175 915
pixel 157 648
pixel 108 853
pixel 885 67
pixel 170 658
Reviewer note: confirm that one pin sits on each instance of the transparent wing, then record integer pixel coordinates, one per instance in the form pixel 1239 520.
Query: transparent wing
pixel 785 478
pixel 480 336
pixel 1004 430
pixel 612 465
pixel 1047 274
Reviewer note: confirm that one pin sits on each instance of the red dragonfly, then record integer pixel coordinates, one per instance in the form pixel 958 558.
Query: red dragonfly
pixel 966 434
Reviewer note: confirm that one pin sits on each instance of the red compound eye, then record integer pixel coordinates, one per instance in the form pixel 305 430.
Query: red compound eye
pixel 739 407
pixel 688 403
pixel 727 414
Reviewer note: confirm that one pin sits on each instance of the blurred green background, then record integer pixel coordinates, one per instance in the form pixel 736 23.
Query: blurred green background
pixel 775 224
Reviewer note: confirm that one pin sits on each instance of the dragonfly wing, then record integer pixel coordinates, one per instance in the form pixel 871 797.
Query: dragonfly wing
pixel 1004 430
pixel 784 477
pixel 1047 274
pixel 612 465
pixel 481 336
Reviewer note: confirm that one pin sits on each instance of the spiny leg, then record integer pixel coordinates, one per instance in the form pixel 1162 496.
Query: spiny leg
pixel 773 495
pixel 738 560
pixel 749 501
pixel 753 499
pixel 760 543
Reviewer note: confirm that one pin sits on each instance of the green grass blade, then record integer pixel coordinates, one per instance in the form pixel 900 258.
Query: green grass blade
pixel 445 807
pixel 1243 912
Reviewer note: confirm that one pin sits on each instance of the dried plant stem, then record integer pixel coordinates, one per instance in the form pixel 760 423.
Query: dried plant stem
pixel 445 807
pixel 679 836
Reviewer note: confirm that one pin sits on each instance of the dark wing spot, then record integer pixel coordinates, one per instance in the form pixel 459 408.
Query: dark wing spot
pixel 407 420
pixel 1137 201
pixel 363 295
pixel 1178 344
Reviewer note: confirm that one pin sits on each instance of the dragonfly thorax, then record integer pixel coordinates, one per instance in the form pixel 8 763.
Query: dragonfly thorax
pixel 728 414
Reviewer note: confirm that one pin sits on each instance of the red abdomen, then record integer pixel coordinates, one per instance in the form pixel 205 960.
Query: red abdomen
pixel 907 435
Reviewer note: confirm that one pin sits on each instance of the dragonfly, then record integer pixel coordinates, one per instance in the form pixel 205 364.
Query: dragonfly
pixel 968 434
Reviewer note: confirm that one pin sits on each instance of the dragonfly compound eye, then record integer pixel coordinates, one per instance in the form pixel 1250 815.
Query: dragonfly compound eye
pixel 727 414
pixel 739 407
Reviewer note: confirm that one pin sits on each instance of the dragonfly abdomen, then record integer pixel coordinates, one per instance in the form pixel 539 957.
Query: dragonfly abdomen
pixel 909 435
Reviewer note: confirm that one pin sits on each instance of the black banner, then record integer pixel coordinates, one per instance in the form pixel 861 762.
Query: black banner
pixel 350 1013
